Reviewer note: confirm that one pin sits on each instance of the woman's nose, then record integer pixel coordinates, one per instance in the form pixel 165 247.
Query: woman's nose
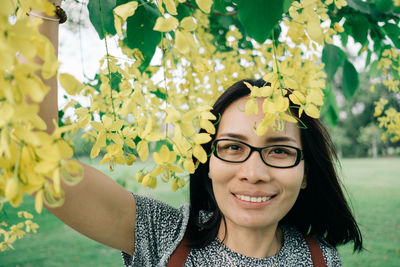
pixel 254 170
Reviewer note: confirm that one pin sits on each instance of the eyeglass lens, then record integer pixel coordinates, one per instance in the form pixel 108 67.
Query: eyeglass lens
pixel 281 156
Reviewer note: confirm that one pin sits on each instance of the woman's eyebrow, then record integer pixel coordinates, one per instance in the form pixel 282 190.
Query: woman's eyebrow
pixel 274 139
pixel 234 135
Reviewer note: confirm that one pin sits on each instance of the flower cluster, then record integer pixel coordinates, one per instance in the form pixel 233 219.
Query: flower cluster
pixel 130 113
pixel 16 231
pixel 389 119
pixel 295 76
pixel 31 160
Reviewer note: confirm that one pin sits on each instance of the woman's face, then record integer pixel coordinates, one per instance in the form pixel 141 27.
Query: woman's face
pixel 234 184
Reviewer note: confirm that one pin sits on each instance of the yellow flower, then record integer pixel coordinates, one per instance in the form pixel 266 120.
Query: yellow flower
pixel 164 159
pixel 16 231
pixel 199 153
pixel 31 226
pixel 338 27
pixel 183 41
pixel 121 13
pixel 201 138
pixel 188 24
pixel 251 106
pixel 84 117
pixel 165 156
pixel 70 84
pixel 391 84
pixel 165 24
pixel 12 188
pixel 39 201
pixel 379 106
pixel 170 6
pixel 143 150
pixel 204 5
pixel 188 165
pixel 149 181
pixel 140 175
pixel 177 183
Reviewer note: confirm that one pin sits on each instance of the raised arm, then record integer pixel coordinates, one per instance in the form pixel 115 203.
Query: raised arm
pixel 97 207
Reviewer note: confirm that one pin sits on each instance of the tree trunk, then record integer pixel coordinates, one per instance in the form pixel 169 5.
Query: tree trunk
pixel 374 148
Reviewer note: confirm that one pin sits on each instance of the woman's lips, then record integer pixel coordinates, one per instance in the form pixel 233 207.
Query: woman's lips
pixel 253 201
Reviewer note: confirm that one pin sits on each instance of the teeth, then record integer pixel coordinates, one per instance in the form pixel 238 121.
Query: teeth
pixel 252 199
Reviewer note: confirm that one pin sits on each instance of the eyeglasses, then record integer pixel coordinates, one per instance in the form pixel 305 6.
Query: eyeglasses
pixel 277 156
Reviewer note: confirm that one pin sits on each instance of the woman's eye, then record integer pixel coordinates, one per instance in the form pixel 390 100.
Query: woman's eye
pixel 232 147
pixel 279 151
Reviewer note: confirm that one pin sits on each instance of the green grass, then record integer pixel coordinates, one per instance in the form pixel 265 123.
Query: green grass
pixel 373 187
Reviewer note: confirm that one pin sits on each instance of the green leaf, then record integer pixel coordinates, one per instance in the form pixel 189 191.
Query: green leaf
pixel 332 111
pixel 161 143
pixel 393 31
pixel 221 5
pixel 377 36
pixel 368 60
pixel 360 6
pixel 344 37
pixel 101 16
pixel 286 5
pixel 333 57
pixel 183 11
pixel 395 74
pixel 359 26
pixel 159 94
pixel 140 32
pixel 374 71
pixel 350 80
pixel 383 5
pixel 116 78
pixel 259 17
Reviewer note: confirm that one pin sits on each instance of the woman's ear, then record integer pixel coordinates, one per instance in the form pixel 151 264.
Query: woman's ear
pixel 304 183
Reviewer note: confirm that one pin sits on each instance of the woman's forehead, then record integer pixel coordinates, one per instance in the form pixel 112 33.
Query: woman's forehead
pixel 235 122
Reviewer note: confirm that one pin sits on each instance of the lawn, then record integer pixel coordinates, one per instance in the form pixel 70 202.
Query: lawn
pixel 373 187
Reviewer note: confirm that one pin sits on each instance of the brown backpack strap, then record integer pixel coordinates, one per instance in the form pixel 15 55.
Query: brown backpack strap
pixel 180 254
pixel 316 252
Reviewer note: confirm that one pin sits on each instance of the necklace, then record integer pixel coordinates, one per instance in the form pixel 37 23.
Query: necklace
pixel 233 265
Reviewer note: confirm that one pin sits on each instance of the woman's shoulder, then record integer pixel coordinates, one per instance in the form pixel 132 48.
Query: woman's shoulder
pixel 330 253
pixel 159 229
pixel 143 200
pixel 161 217
pixel 295 244
pixel 150 208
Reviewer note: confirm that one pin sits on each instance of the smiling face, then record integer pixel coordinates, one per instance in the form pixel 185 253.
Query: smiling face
pixel 251 194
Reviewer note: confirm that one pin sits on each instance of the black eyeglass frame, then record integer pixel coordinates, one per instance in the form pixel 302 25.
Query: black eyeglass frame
pixel 258 149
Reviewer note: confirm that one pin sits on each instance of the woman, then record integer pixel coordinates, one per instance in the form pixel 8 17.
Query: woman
pixel 247 209
pixel 253 209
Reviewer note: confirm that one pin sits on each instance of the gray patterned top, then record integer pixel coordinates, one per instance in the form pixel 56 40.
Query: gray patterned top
pixel 160 228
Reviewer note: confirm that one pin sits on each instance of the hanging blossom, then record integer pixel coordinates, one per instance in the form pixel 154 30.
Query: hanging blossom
pixel 295 77
pixel 389 118
pixel 137 113
pixel 31 160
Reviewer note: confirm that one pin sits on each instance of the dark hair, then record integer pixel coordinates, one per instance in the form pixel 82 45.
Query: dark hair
pixel 321 208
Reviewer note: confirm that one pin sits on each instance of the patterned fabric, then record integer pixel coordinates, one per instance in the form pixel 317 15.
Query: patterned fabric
pixel 160 228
